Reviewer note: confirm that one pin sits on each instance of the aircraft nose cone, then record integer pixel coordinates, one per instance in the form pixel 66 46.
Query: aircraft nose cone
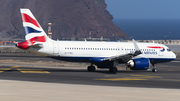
pixel 173 55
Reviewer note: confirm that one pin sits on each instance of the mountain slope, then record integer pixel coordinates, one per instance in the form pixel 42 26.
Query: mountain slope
pixel 70 18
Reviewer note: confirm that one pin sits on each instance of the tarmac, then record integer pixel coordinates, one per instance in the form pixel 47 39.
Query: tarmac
pixel 21 79
pixel 13 90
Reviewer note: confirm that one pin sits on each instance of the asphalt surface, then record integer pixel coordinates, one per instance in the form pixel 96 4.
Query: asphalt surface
pixel 168 75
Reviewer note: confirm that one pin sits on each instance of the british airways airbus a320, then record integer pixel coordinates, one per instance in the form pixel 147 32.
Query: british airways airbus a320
pixel 137 56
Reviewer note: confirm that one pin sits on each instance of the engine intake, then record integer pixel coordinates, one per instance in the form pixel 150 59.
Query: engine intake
pixel 139 64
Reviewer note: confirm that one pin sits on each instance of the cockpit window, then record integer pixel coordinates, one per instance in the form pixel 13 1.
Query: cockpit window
pixel 168 50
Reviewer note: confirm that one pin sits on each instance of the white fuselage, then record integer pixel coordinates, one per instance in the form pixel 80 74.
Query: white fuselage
pixel 85 50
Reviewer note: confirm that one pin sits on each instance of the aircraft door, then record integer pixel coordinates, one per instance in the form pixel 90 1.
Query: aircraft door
pixel 55 48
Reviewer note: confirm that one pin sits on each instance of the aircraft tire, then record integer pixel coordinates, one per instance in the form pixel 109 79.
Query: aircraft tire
pixel 113 70
pixel 91 68
pixel 154 70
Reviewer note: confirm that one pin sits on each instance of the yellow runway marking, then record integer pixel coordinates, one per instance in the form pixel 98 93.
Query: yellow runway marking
pixel 1 71
pixel 121 79
pixel 4 69
pixel 146 76
pixel 15 66
pixel 32 71
pixel 132 77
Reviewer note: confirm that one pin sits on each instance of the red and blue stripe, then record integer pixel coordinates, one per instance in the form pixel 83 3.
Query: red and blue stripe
pixel 29 30
pixel 157 47
pixel 28 19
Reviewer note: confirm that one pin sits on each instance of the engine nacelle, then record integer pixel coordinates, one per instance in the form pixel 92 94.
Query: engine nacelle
pixel 139 64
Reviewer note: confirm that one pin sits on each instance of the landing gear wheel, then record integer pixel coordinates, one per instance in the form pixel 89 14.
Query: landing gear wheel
pixel 91 68
pixel 113 70
pixel 154 70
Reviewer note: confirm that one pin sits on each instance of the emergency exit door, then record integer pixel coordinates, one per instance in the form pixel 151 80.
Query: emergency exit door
pixel 55 48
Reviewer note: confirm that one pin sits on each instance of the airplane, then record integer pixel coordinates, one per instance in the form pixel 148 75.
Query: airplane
pixel 136 56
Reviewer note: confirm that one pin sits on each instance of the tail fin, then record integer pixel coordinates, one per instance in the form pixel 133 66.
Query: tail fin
pixel 33 31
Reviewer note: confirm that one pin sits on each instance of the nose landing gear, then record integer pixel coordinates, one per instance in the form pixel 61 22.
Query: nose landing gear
pixel 154 69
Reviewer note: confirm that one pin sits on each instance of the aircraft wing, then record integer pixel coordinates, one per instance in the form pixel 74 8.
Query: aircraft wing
pixel 124 57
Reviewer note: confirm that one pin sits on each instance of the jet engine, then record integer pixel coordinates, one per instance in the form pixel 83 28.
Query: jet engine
pixel 139 64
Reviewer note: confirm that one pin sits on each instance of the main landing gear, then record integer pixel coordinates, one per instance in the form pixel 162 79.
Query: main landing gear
pixel 113 70
pixel 154 69
pixel 91 68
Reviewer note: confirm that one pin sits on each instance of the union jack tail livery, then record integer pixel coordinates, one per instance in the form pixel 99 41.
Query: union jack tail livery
pixel 33 31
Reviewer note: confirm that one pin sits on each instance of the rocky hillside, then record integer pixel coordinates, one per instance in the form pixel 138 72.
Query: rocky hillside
pixel 70 18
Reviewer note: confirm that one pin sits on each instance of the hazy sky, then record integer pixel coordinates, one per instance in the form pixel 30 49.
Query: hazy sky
pixel 144 9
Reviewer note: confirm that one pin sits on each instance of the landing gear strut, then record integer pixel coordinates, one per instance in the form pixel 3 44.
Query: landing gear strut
pixel 113 69
pixel 154 69
pixel 91 68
